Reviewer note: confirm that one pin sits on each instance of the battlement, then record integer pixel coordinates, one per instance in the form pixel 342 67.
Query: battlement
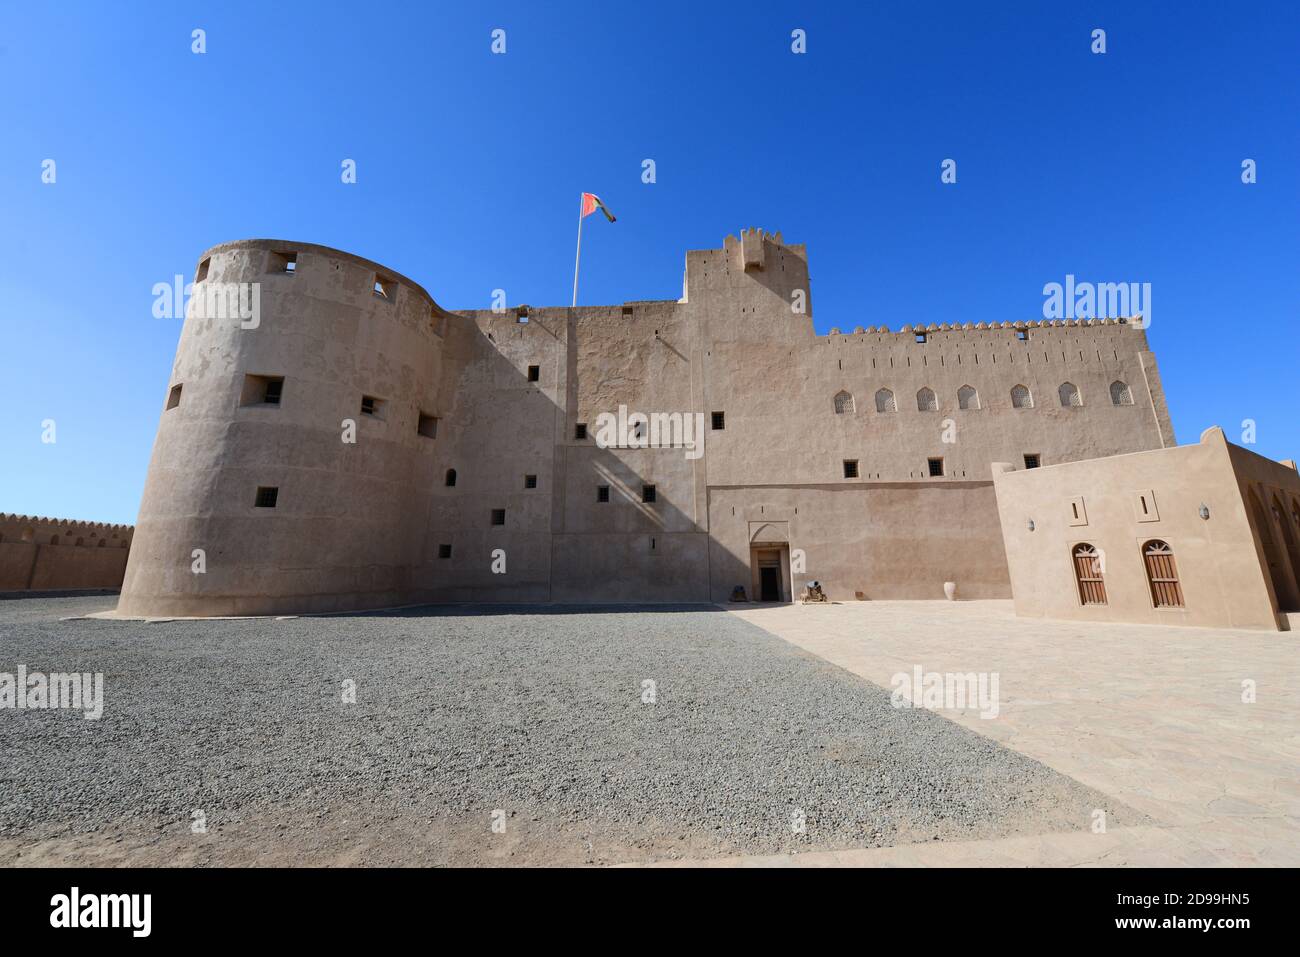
pixel 1135 322
pixel 40 530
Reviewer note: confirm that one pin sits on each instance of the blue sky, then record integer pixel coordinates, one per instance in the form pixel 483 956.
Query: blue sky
pixel 1117 167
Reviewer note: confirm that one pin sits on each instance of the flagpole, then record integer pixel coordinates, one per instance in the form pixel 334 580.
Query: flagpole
pixel 577 255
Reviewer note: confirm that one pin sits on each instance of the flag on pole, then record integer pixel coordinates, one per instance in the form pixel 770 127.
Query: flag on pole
pixel 591 202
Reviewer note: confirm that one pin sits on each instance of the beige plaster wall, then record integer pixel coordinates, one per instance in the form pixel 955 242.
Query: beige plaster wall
pixel 50 554
pixel 366 525
pixel 1218 559
pixel 347 530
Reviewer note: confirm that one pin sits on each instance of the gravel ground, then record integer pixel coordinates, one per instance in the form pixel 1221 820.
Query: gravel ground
pixel 463 711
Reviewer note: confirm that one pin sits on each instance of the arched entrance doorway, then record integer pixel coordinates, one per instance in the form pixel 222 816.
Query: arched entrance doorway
pixel 769 561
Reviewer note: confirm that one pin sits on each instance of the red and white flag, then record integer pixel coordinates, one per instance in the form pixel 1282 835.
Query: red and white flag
pixel 591 202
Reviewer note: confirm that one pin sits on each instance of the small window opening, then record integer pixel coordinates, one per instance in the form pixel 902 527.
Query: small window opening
pixel 498 516
pixel 174 397
pixel 1022 335
pixel 451 478
pixel 935 466
pixel 371 406
pixel 262 390
pixel 384 288
pixel 266 496
pixel 427 426
pixel 647 493
pixel 850 468
pixel 202 274
pixel 719 421
pixel 530 481
pixel 920 337
pixel 444 551
pixel 602 493
pixel 580 431
pixel 1031 461
pixel 534 373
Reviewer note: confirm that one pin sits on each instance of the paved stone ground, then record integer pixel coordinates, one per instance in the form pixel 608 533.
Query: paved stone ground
pixel 463 711
pixel 1151 716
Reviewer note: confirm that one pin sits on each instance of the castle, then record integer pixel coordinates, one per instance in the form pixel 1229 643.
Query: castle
pixel 350 444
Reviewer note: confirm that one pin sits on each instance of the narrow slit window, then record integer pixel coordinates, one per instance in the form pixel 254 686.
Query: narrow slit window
pixel 450 480
pixel 202 274
pixel 174 397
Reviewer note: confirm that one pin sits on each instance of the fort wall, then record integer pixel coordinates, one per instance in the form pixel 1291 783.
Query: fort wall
pixel 380 522
pixel 346 526
pixel 50 554
pixel 1193 499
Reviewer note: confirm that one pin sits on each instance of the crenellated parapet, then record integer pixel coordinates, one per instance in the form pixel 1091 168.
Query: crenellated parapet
pixel 40 530
pixel 909 329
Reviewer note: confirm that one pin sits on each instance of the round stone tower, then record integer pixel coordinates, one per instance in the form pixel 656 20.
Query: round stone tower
pixel 293 462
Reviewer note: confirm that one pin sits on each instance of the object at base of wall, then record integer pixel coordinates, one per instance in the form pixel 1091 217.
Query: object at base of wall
pixel 813 593
pixel 950 590
pixel 738 593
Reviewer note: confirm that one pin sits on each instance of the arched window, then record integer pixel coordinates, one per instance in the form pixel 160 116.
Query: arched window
pixel 1021 397
pixel 968 398
pixel 926 401
pixel 843 403
pixel 1288 539
pixel 1120 394
pixel 1162 575
pixel 1272 554
pixel 1089 574
pixel 1069 394
pixel 885 401
pixel 451 477
pixel 54 539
